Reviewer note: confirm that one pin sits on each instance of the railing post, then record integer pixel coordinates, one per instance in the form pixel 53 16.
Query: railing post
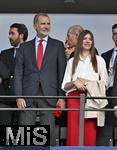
pixel 81 126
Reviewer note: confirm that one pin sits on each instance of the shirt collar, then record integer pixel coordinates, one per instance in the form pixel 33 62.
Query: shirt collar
pixel 88 58
pixel 44 39
pixel 16 47
pixel 115 48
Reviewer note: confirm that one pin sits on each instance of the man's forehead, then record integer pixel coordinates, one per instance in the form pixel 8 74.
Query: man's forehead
pixel 13 29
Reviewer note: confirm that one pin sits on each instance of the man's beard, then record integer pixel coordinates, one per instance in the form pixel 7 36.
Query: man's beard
pixel 44 34
pixel 14 44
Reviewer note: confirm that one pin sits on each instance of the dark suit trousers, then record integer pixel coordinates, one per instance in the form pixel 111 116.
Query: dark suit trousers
pixel 104 134
pixel 7 117
pixel 46 117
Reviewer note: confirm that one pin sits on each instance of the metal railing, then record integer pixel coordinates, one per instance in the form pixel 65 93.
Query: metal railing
pixel 82 108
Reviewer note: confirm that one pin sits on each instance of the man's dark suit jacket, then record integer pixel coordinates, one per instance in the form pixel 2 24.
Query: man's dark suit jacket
pixel 4 75
pixel 28 77
pixel 111 91
pixel 114 89
pixel 8 60
pixel 107 56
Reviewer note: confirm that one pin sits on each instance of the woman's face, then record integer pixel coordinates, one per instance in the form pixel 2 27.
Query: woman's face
pixel 87 42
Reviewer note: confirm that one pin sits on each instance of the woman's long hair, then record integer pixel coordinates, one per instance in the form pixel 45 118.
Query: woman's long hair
pixel 79 49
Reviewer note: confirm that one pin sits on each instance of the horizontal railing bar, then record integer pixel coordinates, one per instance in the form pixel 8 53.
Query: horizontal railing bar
pixel 52 109
pixel 53 97
pixel 102 109
pixel 107 97
pixel 41 97
pixel 49 109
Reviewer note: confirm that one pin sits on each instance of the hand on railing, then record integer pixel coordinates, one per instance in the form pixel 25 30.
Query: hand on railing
pixel 21 103
pixel 60 104
pixel 115 112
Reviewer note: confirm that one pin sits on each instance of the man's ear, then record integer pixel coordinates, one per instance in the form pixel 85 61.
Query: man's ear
pixel 21 36
pixel 34 26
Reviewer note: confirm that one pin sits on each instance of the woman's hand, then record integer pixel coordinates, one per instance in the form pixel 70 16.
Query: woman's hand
pixel 80 84
pixel 84 80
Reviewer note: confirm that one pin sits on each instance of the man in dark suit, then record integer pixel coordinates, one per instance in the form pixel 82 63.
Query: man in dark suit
pixel 44 81
pixel 109 56
pixel 114 89
pixel 18 33
pixel 114 93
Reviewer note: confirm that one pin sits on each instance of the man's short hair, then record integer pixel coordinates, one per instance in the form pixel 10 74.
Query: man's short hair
pixel 22 29
pixel 114 26
pixel 35 20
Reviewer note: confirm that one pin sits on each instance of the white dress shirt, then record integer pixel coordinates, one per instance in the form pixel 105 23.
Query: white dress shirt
pixel 44 43
pixel 111 64
pixel 114 54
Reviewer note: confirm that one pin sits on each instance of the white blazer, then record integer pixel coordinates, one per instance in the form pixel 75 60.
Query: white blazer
pixel 96 89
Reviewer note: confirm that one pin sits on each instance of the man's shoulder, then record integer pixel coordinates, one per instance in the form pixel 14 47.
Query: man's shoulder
pixel 54 40
pixel 107 52
pixel 27 43
pixel 7 51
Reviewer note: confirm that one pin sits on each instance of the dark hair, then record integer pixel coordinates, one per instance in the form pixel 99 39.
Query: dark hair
pixel 114 26
pixel 22 29
pixel 79 48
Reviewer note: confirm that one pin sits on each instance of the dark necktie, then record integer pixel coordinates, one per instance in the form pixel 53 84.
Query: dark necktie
pixel 115 63
pixel 40 54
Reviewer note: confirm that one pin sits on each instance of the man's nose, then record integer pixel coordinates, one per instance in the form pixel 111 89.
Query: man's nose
pixel 9 36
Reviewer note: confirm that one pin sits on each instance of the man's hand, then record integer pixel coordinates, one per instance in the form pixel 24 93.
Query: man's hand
pixel 115 112
pixel 21 103
pixel 68 52
pixel 61 103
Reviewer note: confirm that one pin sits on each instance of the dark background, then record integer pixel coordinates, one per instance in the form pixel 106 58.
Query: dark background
pixel 59 6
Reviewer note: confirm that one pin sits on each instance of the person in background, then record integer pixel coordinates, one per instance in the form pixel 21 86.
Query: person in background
pixel 39 71
pixel 84 67
pixel 18 34
pixel 114 31
pixel 114 87
pixel 71 40
pixel 106 133
pixel 70 44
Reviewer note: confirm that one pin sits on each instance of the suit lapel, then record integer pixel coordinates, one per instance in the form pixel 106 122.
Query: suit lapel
pixel 48 51
pixel 12 58
pixel 108 58
pixel 111 52
pixel 33 52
